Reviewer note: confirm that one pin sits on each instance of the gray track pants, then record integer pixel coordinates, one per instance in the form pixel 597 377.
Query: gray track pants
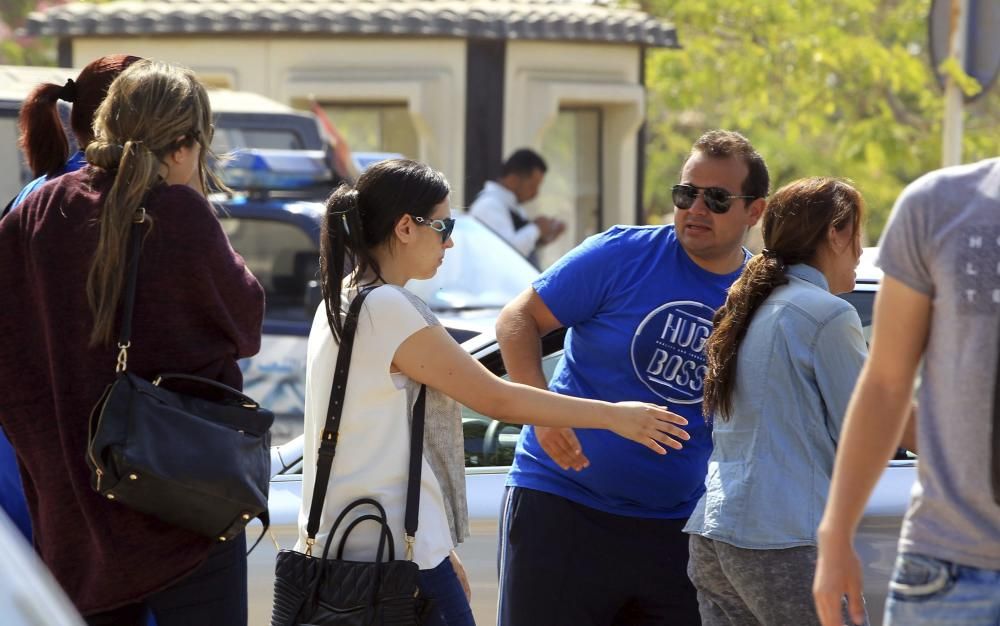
pixel 740 587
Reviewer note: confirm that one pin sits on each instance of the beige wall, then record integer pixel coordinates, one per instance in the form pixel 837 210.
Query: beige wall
pixel 542 77
pixel 427 75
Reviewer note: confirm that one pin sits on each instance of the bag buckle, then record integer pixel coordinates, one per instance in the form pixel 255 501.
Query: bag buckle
pixel 122 357
pixel 410 540
pixel 328 443
pixel 310 542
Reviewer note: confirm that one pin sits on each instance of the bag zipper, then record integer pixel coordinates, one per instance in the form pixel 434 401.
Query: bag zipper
pixel 93 459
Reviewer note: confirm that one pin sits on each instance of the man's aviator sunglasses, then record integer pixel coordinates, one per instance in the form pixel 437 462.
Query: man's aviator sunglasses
pixel 443 227
pixel 717 199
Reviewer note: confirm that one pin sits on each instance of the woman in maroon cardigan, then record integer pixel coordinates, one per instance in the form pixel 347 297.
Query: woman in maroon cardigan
pixel 198 309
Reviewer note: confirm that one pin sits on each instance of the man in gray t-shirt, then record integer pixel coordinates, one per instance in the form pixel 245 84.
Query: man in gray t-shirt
pixel 940 302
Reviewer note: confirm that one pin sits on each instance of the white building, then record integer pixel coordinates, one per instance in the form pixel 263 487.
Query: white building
pixel 458 84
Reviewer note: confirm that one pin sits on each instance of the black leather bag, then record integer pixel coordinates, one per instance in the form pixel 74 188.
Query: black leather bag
pixel 334 592
pixel 200 459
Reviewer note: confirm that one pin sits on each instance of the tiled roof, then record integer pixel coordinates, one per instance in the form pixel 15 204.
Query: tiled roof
pixel 561 20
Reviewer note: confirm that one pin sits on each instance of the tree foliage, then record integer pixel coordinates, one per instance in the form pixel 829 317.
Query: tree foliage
pixel 821 87
pixel 22 50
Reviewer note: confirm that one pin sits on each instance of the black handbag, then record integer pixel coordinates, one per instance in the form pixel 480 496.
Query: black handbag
pixel 334 592
pixel 198 460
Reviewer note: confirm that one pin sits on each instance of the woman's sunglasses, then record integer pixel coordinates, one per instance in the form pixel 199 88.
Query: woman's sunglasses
pixel 443 227
pixel 717 199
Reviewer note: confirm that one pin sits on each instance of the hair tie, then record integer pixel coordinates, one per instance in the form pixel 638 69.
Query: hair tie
pixel 352 195
pixel 771 255
pixel 67 92
pixel 134 143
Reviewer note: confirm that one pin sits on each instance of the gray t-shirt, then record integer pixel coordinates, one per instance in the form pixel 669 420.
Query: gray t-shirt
pixel 943 240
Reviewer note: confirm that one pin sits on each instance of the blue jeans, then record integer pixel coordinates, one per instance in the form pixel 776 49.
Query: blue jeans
pixel 932 592
pixel 451 607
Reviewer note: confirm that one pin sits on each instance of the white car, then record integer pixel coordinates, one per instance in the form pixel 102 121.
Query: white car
pixel 489 449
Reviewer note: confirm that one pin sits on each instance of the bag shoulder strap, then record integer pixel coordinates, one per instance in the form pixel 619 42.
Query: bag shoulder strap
pixel 412 516
pixel 329 436
pixel 134 249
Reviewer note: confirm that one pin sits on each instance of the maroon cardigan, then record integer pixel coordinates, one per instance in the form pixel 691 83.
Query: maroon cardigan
pixel 198 309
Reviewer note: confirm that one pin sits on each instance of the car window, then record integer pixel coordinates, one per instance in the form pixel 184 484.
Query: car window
pixel 229 139
pixel 482 271
pixel 284 260
pixel 864 302
pixel 489 443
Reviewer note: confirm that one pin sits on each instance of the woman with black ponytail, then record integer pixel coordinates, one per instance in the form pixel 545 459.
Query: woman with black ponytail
pixel 393 226
pixel 782 360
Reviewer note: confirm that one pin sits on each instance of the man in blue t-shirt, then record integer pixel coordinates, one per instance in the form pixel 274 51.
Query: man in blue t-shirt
pixel 592 523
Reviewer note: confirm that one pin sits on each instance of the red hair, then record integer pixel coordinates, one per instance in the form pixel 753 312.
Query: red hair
pixel 43 138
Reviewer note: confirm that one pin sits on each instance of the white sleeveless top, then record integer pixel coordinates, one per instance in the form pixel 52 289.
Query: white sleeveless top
pixel 373 451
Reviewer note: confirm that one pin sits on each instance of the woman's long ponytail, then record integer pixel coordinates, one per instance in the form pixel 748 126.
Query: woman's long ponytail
pixel 760 277
pixel 795 224
pixel 340 250
pixel 137 172
pixel 42 136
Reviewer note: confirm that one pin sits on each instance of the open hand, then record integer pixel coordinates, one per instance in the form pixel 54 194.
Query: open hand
pixel 649 425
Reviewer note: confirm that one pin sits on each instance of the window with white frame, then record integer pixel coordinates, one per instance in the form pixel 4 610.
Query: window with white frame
pixel 572 187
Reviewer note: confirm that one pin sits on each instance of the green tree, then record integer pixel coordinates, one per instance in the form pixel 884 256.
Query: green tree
pixel 23 51
pixel 821 87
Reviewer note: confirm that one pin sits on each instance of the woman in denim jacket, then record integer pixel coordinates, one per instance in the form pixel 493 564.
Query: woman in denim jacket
pixel 783 358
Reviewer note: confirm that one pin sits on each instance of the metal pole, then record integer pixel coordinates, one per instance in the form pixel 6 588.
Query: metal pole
pixel 951 144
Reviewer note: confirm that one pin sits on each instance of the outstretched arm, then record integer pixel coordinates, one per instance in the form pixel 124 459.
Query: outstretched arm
pixel 430 356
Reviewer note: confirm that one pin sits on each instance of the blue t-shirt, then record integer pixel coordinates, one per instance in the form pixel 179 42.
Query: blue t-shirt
pixel 75 162
pixel 639 312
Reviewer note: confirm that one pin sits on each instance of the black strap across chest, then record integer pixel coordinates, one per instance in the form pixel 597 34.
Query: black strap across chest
pixel 334 413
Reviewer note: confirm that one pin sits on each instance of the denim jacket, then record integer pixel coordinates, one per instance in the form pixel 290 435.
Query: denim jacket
pixel 770 468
